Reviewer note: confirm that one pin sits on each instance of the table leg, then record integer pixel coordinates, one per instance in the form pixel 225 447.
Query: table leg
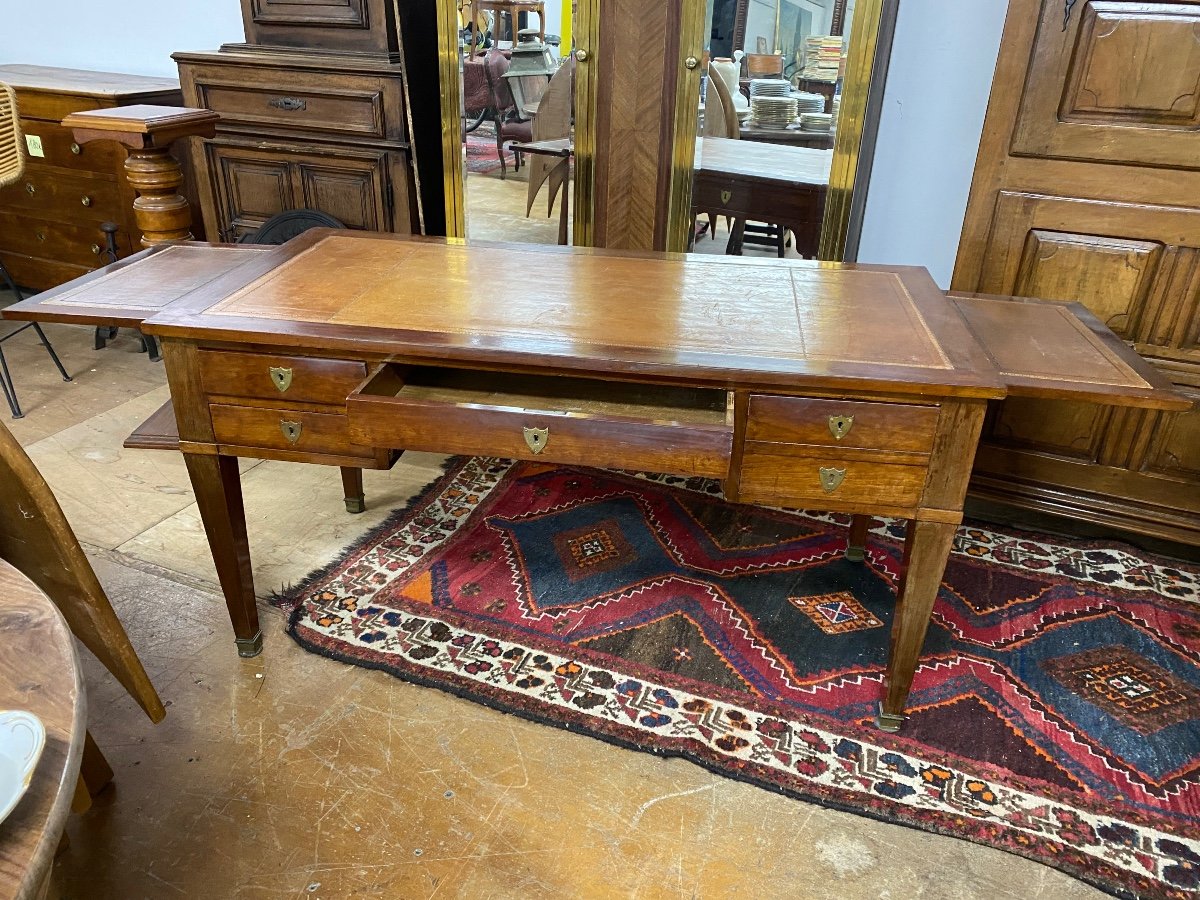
pixel 927 549
pixel 218 488
pixel 736 238
pixel 856 546
pixel 352 487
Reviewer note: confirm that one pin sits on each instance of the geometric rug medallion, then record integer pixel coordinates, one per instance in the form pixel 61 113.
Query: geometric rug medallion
pixel 1055 712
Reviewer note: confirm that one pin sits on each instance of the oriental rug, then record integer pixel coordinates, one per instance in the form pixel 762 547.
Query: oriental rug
pixel 1055 714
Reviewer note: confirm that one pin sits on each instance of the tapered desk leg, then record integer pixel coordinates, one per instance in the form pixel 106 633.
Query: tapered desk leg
pixel 218 488
pixel 352 489
pixel 927 549
pixel 856 546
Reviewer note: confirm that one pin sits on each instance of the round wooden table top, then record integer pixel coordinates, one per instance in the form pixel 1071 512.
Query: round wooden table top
pixel 39 672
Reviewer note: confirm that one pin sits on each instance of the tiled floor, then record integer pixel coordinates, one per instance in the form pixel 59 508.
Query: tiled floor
pixel 294 776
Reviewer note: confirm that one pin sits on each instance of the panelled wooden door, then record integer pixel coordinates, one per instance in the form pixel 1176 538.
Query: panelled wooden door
pixel 1087 188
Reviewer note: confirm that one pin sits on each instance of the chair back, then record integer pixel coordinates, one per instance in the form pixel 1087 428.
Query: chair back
pixel 12 143
pixel 36 538
pixel 495 64
pixel 552 121
pixel 720 115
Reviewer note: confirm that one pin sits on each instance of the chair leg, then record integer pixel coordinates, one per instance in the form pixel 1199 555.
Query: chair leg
pixel 10 389
pixel 500 149
pixel 736 235
pixel 780 236
pixel 49 349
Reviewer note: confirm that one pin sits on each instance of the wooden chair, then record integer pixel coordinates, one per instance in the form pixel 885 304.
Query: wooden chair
pixel 12 166
pixel 36 538
pixel 720 120
pixel 552 121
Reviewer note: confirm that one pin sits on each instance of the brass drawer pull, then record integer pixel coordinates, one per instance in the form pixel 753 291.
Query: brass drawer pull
pixel 76 149
pixel 86 200
pixel 291 430
pixel 537 438
pixel 839 426
pixel 40 235
pixel 291 104
pixel 281 377
pixel 96 249
pixel 831 478
pixel 29 188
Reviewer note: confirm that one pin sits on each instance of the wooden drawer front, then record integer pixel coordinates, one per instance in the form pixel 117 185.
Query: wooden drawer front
pixel 674 431
pixel 80 245
pixel 38 274
pixel 788 476
pixel 360 106
pixel 60 149
pixel 256 426
pixel 875 426
pixel 61 195
pixel 294 378
pixel 795 207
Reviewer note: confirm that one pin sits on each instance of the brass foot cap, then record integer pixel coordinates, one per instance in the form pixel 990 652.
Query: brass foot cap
pixel 888 722
pixel 356 504
pixel 856 554
pixel 248 647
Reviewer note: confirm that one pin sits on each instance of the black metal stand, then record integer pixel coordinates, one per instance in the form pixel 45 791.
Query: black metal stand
pixel 6 382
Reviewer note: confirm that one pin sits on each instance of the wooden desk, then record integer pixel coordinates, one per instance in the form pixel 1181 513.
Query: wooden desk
pixel 795 137
pixel 775 183
pixel 859 389
pixel 39 672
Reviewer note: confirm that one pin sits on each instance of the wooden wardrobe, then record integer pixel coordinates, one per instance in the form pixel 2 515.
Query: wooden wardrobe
pixel 1087 187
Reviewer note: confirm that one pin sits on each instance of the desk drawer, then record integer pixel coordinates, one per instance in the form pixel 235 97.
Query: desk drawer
pixel 267 377
pixel 567 420
pixel 810 477
pixel 59 148
pixel 283 429
pixel 75 244
pixel 872 426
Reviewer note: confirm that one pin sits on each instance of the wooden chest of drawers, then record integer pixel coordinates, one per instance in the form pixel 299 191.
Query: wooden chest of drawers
pixel 302 130
pixel 50 220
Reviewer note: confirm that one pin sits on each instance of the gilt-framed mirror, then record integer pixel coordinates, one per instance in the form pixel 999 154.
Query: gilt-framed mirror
pixel 849 77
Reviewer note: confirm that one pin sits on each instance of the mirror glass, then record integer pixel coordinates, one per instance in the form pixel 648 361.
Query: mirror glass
pixel 768 110
pixel 516 89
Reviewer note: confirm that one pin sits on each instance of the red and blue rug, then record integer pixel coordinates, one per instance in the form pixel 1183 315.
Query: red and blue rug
pixel 1056 712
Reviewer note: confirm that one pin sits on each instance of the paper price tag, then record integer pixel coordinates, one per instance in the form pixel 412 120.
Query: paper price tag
pixel 34 145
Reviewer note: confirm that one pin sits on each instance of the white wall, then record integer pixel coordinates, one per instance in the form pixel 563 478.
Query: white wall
pixel 937 89
pixel 114 37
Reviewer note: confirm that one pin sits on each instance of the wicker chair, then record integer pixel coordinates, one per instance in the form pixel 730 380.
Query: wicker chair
pixel 12 165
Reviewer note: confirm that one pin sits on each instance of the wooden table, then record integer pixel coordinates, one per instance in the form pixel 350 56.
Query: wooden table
pixel 513 8
pixel 747 180
pixel 39 672
pixel 858 389
pixel 817 140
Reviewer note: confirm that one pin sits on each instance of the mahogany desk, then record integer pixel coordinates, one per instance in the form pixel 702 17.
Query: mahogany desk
pixel 857 389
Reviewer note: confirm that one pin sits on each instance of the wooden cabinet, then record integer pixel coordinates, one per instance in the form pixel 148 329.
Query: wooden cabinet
pixel 313 115
pixel 50 220
pixel 1088 188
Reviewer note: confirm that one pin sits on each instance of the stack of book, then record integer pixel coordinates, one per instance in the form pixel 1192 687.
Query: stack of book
pixel 822 57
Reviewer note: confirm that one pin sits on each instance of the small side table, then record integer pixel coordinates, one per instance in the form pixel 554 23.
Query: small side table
pixel 513 8
pixel 39 672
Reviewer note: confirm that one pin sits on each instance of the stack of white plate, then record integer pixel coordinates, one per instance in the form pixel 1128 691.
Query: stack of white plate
pixel 809 103
pixel 772 112
pixel 818 122
pixel 769 87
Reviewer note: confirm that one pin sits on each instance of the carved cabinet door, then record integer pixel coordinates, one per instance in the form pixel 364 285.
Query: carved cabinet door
pixel 1087 188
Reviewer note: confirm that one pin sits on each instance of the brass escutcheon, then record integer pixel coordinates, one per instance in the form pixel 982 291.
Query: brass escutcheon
pixel 537 438
pixel 281 377
pixel 831 478
pixel 291 430
pixel 839 426
pixel 725 195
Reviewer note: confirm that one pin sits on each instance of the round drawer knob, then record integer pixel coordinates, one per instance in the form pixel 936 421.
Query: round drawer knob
pixel 86 201
pixel 691 62
pixel 582 55
pixel 40 235
pixel 96 249
pixel 29 188
pixel 76 149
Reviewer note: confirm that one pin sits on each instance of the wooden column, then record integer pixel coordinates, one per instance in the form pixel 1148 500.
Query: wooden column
pixel 162 213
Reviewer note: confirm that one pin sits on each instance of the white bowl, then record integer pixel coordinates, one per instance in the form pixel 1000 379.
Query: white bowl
pixel 22 739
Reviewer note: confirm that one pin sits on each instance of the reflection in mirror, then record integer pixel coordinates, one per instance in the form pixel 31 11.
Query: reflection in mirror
pixel 517 119
pixel 769 112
